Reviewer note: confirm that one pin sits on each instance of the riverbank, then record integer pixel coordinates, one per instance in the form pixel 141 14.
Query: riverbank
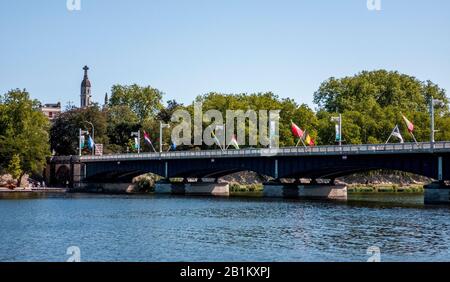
pixel 31 190
pixel 257 189
pixel 385 188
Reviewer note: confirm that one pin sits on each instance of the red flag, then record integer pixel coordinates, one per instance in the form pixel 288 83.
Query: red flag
pixel 296 130
pixel 409 124
pixel 147 138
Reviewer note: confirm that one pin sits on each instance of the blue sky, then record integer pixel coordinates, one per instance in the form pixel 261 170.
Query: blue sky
pixel 190 47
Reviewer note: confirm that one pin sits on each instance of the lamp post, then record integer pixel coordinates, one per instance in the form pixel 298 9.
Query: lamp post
pixel 433 102
pixel 80 140
pixel 93 135
pixel 161 126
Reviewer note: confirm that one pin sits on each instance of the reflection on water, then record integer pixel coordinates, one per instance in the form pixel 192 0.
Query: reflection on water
pixel 164 228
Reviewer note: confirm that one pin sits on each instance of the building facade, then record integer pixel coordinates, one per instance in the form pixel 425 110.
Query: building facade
pixel 51 111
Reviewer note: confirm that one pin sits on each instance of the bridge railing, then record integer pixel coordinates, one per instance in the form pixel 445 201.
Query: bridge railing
pixel 286 151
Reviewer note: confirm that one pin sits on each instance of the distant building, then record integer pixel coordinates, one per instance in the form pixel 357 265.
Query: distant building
pixel 85 95
pixel 51 111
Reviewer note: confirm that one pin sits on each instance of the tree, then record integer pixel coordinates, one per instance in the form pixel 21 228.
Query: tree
pixel 165 114
pixel 145 102
pixel 14 168
pixel 372 103
pixel 289 110
pixel 121 122
pixel 23 132
pixel 65 129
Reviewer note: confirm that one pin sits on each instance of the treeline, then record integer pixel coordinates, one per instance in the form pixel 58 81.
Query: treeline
pixel 371 104
pixel 24 135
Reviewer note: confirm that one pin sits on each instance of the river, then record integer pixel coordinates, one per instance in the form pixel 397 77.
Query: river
pixel 171 228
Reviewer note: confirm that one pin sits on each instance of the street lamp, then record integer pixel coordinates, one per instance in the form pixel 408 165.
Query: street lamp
pixel 161 126
pixel 81 140
pixel 433 102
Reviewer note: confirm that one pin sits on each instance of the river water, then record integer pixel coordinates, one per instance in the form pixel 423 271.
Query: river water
pixel 170 228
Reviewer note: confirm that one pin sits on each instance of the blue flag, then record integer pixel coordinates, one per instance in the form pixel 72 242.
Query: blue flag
pixel 90 143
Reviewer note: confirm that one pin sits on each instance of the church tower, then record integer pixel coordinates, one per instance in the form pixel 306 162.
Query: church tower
pixel 85 90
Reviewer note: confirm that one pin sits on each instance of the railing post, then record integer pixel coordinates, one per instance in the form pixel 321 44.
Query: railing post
pixel 276 169
pixel 166 170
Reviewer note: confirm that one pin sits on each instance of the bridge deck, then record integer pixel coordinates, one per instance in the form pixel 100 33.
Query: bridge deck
pixel 406 148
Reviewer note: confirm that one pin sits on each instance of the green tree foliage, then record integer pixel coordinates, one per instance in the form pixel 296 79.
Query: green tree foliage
pixel 14 167
pixel 64 132
pixel 23 132
pixel 302 115
pixel 372 104
pixel 165 113
pixel 121 122
pixel 145 102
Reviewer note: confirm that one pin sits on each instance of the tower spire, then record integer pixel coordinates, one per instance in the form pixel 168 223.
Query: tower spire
pixel 86 68
pixel 105 105
pixel 85 96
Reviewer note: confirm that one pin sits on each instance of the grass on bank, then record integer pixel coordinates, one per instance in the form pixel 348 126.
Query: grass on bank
pixel 147 183
pixel 237 189
pixel 384 188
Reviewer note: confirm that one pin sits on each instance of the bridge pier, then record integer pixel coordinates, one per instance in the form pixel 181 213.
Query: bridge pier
pixel 437 193
pixel 193 188
pixel 305 191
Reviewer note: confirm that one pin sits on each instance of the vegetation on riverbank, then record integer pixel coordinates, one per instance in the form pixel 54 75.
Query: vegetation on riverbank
pixel 384 188
pixel 236 187
pixel 24 136
pixel 352 189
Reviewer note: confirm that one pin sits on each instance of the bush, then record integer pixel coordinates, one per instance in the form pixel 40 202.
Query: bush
pixel 146 183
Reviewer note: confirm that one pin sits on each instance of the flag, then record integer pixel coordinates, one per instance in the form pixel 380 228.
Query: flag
pixel 216 139
pixel 82 141
pixel 91 143
pixel 136 143
pixel 409 124
pixel 234 142
pixel 309 141
pixel 396 133
pixel 338 133
pixel 147 138
pixel 296 130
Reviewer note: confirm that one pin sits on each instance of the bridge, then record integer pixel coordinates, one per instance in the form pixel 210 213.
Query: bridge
pixel 316 163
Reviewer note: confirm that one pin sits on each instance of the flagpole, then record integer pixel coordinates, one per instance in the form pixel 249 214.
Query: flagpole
pixel 79 140
pixel 412 134
pixel 300 140
pixel 390 136
pixel 216 139
pixel 139 141
pixel 160 137
pixel 340 129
